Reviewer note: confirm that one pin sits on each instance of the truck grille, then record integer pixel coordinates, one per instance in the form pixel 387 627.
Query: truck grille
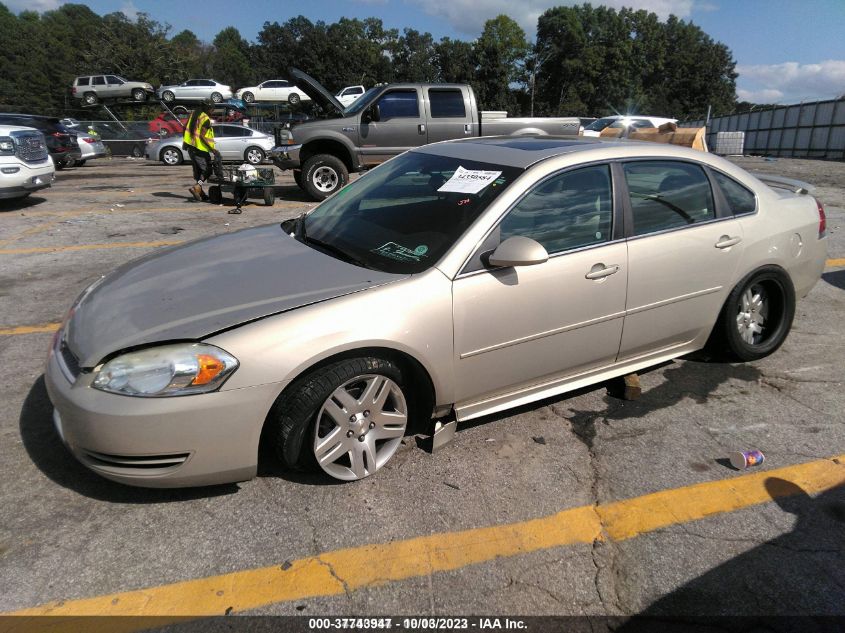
pixel 30 146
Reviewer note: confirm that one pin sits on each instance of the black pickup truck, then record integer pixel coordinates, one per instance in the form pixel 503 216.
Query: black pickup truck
pixel 388 120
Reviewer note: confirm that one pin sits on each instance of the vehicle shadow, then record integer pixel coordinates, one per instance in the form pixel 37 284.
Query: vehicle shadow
pixel 168 194
pixel 835 278
pixel 17 204
pixel 50 456
pixel 775 585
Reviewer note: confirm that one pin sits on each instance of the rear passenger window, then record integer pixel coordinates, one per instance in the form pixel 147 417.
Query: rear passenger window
pixel 667 195
pixel 446 103
pixel 399 103
pixel 98 81
pixel 567 211
pixel 740 199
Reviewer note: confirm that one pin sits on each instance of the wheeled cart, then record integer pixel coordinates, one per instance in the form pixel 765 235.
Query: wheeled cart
pixel 255 181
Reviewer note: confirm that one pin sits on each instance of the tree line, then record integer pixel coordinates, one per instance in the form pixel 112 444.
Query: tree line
pixel 584 61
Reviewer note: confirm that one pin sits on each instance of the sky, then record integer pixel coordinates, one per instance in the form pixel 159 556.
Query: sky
pixel 787 51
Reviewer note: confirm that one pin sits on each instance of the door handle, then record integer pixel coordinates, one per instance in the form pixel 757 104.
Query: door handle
pixel 726 241
pixel 421 128
pixel 600 271
pixel 467 128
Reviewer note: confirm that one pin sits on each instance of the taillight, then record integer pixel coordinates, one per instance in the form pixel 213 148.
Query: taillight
pixel 822 219
pixel 89 139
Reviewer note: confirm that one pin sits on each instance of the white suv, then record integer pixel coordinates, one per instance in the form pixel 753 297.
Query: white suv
pixel 25 164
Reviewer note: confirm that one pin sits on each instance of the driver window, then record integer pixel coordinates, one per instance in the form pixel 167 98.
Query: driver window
pixel 399 103
pixel 568 210
pixel 114 81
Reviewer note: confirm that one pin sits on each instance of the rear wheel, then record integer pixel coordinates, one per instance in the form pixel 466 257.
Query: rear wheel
pixel 293 98
pixel 347 418
pixel 137 151
pixel 89 98
pixel 139 94
pixel 216 97
pixel 322 175
pixel 757 316
pixel 168 96
pixel 249 97
pixel 171 156
pixel 78 163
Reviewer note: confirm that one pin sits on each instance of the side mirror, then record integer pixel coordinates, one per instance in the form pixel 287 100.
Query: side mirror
pixel 373 113
pixel 518 251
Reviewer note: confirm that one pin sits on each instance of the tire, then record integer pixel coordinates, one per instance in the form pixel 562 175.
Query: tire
pixel 168 96
pixel 293 98
pixel 297 177
pixel 78 163
pixel 248 97
pixel 137 151
pixel 323 175
pixel 309 430
pixel 181 110
pixel 139 94
pixel 215 196
pixel 60 164
pixel 269 196
pixel 216 97
pixel 89 98
pixel 254 155
pixel 756 317
pixel 171 156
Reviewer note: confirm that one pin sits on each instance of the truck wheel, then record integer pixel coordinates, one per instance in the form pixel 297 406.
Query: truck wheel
pixel 297 177
pixel 323 174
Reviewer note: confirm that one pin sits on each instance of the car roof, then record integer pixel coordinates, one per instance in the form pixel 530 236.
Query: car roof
pixel 524 151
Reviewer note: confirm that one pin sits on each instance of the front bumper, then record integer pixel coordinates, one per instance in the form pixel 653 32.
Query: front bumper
pixel 286 156
pixel 195 440
pixel 26 180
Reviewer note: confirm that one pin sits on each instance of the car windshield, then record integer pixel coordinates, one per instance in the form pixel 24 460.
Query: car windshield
pixel 362 102
pixel 599 124
pixel 403 216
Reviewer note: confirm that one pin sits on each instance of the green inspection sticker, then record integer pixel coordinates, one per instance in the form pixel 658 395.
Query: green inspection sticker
pixel 400 253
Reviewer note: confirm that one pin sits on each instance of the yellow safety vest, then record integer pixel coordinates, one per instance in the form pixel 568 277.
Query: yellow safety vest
pixel 203 136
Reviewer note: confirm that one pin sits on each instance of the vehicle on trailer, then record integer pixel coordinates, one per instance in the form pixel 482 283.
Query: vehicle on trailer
pixel 92 89
pixel 346 96
pixel 235 142
pixel 25 163
pixel 61 141
pixel 455 281
pixel 88 139
pixel 195 90
pixel 626 123
pixel 279 90
pixel 125 139
pixel 387 120
pixel 167 124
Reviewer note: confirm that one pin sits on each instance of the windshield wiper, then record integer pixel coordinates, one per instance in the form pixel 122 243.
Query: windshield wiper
pixel 332 249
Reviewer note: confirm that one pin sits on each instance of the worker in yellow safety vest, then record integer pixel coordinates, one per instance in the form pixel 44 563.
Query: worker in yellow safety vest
pixel 198 140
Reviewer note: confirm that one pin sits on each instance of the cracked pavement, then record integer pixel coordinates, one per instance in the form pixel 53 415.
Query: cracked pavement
pixel 72 535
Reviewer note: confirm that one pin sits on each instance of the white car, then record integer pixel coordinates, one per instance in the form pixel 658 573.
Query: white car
pixel 349 95
pixel 235 142
pixel 272 90
pixel 25 163
pixel 628 122
pixel 195 90
pixel 90 144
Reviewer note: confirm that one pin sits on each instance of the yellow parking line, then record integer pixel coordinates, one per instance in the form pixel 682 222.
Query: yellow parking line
pixel 341 571
pixel 86 247
pixel 832 263
pixel 30 329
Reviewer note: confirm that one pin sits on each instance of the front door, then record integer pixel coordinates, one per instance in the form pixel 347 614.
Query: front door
pixel 530 325
pixel 402 125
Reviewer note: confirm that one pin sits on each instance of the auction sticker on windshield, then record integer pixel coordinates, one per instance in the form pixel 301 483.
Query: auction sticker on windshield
pixel 401 253
pixel 469 180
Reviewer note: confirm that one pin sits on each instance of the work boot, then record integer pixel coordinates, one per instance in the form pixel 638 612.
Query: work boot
pixel 196 192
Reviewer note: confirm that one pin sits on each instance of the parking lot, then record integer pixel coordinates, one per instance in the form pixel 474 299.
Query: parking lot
pixel 579 505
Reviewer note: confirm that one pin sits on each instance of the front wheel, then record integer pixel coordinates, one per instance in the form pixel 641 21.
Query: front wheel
pixel 216 97
pixel 254 155
pixel 756 317
pixel 347 418
pixel 322 175
pixel 297 177
pixel 139 94
pixel 171 156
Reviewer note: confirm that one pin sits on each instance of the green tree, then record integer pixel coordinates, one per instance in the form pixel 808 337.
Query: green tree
pixel 455 61
pixel 500 53
pixel 412 55
pixel 230 62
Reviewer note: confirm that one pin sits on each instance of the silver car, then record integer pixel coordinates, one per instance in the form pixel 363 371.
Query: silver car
pixel 454 281
pixel 235 142
pixel 195 90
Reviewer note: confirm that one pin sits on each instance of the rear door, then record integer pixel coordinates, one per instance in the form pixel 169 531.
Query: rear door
pixel 402 125
pixel 114 87
pixel 682 255
pixel 448 114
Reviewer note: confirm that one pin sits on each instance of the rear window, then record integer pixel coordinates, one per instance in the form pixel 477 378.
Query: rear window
pixel 446 103
pixel 739 198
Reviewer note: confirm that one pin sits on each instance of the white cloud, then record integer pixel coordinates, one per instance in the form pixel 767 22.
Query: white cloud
pixel 129 10
pixel 32 5
pixel 791 82
pixel 469 16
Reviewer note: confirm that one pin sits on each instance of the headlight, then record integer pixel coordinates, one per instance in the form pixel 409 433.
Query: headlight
pixel 169 370
pixel 7 146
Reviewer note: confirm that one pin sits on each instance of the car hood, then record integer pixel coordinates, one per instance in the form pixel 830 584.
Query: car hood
pixel 315 90
pixel 191 291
